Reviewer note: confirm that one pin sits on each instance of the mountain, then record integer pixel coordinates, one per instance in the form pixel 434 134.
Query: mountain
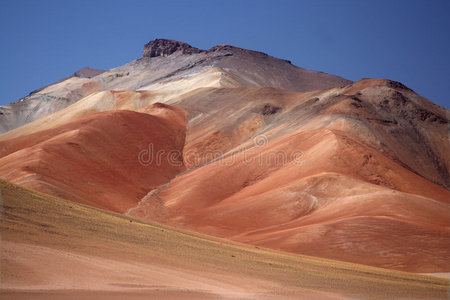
pixel 236 144
pixel 251 67
pixel 49 99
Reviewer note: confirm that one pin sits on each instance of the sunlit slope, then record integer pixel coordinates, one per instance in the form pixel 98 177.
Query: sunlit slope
pixel 355 192
pixel 95 159
pixel 111 100
pixel 104 251
pixel 382 115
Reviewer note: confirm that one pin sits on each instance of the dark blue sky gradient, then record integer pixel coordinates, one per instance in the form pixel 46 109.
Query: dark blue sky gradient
pixel 408 41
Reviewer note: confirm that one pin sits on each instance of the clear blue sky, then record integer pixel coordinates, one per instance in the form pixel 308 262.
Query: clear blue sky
pixel 408 41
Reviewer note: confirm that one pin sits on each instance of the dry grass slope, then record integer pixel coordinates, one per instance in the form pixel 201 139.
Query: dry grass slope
pixel 31 218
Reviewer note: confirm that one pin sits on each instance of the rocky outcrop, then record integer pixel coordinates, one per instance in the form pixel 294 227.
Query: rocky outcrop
pixel 87 72
pixel 164 47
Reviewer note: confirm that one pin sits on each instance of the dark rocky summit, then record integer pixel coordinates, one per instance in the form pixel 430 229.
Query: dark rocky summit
pixel 164 47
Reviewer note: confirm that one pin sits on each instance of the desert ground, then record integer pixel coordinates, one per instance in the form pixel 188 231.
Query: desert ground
pixel 53 248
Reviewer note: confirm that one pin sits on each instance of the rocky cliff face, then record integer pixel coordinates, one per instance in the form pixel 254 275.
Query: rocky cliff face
pixel 164 47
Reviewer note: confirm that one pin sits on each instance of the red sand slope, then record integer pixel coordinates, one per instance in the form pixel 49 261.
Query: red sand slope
pixel 356 193
pixel 94 160
pixel 334 203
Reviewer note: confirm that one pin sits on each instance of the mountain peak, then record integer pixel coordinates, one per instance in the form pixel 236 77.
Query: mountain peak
pixel 165 47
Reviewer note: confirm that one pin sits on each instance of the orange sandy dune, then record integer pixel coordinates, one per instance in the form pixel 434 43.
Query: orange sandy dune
pixel 94 160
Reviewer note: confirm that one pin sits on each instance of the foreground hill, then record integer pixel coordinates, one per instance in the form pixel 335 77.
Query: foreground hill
pixel 56 249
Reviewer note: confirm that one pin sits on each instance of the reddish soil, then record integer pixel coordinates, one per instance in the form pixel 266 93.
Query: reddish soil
pixel 94 160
